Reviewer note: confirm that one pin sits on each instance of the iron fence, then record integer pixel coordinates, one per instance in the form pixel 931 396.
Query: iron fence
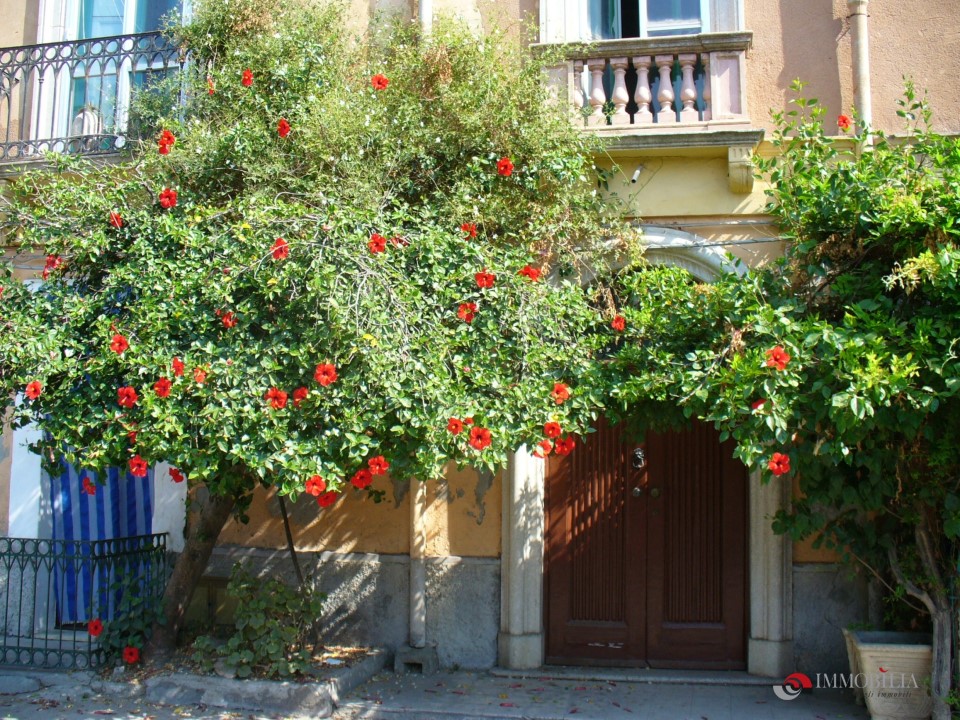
pixel 74 97
pixel 51 589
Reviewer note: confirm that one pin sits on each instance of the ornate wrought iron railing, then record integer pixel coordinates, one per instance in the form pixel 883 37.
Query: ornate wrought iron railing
pixel 51 589
pixel 74 97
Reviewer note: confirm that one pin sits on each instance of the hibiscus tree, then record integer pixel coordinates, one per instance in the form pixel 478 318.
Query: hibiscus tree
pixel 243 273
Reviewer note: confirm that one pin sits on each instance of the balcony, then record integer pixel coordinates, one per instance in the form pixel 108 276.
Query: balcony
pixel 648 94
pixel 74 97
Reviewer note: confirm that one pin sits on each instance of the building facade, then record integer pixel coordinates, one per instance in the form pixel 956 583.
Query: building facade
pixel 672 563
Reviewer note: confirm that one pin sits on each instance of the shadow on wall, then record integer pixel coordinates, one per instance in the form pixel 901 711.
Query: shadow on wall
pixel 812 35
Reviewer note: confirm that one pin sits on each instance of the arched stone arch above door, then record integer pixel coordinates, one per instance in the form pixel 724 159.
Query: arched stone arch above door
pixel 521 640
pixel 696 255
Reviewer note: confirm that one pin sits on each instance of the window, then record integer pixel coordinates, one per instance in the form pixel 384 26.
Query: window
pixel 647 18
pixel 82 104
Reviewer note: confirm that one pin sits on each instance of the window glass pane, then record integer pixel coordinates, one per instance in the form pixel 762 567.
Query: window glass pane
pixel 604 19
pixel 659 10
pixel 150 13
pixel 101 18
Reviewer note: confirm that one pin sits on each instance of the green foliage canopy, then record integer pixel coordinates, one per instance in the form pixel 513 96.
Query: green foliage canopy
pixel 368 207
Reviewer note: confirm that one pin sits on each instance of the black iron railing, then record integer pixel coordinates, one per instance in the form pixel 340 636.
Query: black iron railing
pixel 50 590
pixel 74 97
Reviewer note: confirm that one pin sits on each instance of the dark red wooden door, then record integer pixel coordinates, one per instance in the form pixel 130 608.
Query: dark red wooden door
pixel 647 566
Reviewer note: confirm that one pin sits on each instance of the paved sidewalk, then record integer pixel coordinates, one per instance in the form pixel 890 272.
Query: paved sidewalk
pixel 464 695
pixel 446 696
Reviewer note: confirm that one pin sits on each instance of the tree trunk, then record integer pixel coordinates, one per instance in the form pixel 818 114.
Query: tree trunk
pixel 207 518
pixel 940 675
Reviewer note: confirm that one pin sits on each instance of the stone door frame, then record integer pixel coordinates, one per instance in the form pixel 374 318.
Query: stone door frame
pixel 520 642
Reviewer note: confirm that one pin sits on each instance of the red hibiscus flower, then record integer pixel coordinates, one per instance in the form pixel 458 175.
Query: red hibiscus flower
pixel 777 358
pixel 325 374
pixel 467 311
pixel 132 437
pixel 455 426
pixel 247 79
pixel 327 499
pixel 362 478
pixel 162 387
pixel 168 198
pixel 199 376
pixel 88 486
pixel 843 122
pixel 479 438
pixel 138 466
pixel 468 421
pixel 564 446
pixel 531 273
pixel 53 263
pixel 177 476
pixel 379 82
pixel 283 128
pixel 552 429
pixel 560 393
pixel 118 344
pixel 127 396
pixel 504 167
pixel 315 485
pixel 543 448
pixel 229 320
pixel 299 395
pixel 280 249
pixel 166 141
pixel 131 655
pixel 758 404
pixel 470 229
pixel 378 465
pixel 33 390
pixel 485 279
pixel 276 398
pixel 177 366
pixel 779 464
pixel 210 88
pixel 377 243
pixel 95 627
pixel 116 220
pixel 619 323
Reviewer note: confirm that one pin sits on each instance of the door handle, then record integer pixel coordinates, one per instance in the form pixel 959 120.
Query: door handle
pixel 639 459
pixel 655 493
pixel 637 491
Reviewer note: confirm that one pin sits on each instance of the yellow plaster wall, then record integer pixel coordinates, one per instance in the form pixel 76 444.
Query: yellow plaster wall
pixel 19 22
pixel 463 514
pixel 810 40
pixel 678 182
pixel 463 518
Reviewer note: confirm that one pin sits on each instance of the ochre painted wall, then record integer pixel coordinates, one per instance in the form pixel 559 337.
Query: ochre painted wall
pixel 463 518
pixel 810 40
pixel 18 22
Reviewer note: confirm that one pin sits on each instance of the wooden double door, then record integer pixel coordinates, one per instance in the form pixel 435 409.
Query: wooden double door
pixel 646 552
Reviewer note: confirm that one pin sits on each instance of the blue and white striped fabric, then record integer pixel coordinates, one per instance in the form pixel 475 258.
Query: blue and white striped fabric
pixel 122 507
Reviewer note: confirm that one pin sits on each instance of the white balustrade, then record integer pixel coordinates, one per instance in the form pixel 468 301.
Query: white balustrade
pixel 619 97
pixel 598 96
pixel 666 86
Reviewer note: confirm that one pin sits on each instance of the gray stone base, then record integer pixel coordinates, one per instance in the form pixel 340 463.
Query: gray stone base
pixel 770 658
pixel 368 599
pixel 420 660
pixel 520 652
pixel 826 599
